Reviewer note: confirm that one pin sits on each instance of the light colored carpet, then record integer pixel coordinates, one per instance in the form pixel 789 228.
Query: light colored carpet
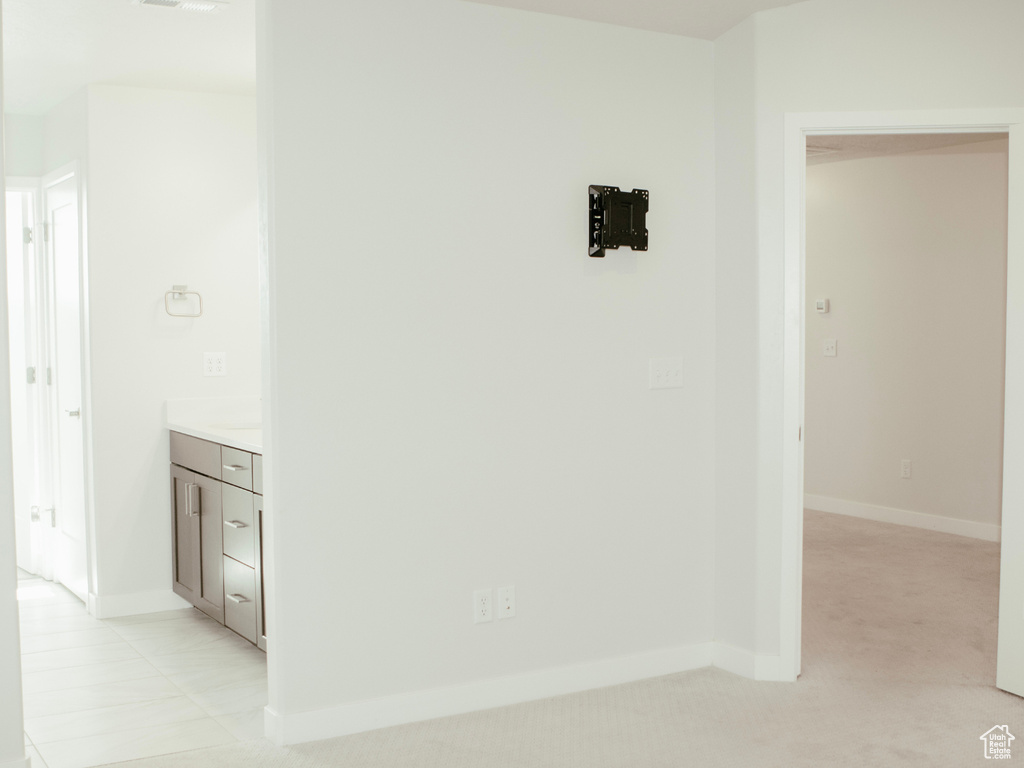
pixel 899 669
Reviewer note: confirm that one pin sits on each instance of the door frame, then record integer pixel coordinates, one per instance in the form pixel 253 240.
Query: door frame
pixel 797 127
pixel 61 174
pixel 30 188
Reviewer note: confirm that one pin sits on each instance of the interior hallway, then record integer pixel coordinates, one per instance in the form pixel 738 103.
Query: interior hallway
pixel 898 669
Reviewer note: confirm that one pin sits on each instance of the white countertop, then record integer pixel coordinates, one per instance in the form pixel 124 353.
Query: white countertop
pixel 231 422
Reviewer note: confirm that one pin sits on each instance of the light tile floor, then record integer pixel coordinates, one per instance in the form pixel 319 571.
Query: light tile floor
pixel 103 691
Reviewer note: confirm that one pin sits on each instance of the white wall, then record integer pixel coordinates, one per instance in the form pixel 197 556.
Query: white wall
pixel 65 135
pixel 813 57
pixel 12 738
pixel 171 200
pixel 23 145
pixel 911 250
pixel 459 394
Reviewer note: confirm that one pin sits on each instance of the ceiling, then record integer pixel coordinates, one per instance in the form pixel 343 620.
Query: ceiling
pixel 53 48
pixel 705 19
pixel 831 149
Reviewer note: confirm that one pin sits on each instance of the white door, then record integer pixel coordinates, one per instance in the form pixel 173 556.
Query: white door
pixel 64 258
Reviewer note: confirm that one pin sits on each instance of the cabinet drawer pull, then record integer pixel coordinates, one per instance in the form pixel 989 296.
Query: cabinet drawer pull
pixel 236 523
pixel 235 467
pixel 238 598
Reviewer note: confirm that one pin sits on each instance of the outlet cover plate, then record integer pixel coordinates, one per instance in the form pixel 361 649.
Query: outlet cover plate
pixel 482 606
pixel 213 364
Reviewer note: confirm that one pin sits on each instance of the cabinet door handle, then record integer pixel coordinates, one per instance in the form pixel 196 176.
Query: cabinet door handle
pixel 236 523
pixel 234 467
pixel 191 507
pixel 237 598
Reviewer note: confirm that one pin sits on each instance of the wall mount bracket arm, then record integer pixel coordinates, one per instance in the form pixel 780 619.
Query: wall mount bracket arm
pixel 617 218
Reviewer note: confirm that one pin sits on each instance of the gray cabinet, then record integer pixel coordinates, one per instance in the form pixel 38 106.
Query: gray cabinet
pixel 217 526
pixel 196 540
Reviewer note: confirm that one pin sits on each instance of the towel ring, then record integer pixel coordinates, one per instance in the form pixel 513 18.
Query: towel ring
pixel 178 293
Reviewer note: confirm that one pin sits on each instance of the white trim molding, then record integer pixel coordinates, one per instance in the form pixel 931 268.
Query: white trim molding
pixel 359 716
pixel 969 528
pixel 744 663
pixel 21 762
pixel 135 603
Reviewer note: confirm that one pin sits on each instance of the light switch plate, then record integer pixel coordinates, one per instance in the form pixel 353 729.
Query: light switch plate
pixel 830 347
pixel 666 373
pixel 506 602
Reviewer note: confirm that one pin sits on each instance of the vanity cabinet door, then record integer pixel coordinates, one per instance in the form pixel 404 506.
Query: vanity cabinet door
pixel 185 536
pixel 211 541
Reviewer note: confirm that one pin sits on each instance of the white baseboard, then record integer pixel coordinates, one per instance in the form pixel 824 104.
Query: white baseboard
pixel 134 604
pixel 484 694
pixel 746 663
pixel 399 709
pixel 983 531
pixel 21 762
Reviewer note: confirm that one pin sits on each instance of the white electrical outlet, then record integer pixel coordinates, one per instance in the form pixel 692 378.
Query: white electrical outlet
pixel 666 373
pixel 905 469
pixel 830 347
pixel 481 606
pixel 506 602
pixel 213 364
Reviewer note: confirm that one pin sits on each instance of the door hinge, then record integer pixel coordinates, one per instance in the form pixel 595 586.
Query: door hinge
pixel 30 375
pixel 27 235
pixel 800 434
pixel 46 231
pixel 53 516
pixel 49 375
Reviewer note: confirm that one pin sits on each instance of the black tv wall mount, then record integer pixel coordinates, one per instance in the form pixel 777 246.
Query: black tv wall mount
pixel 617 218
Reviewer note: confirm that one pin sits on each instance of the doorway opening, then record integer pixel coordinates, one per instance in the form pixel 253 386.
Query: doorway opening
pixel 905 278
pixel 46 295
pixel 1010 661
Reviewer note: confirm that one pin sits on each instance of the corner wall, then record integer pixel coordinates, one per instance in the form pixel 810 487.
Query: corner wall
pixel 911 251
pixel 460 395
pixel 736 333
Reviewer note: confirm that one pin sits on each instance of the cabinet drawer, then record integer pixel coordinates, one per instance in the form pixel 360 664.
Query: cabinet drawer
pixel 239 525
pixel 201 456
pixel 240 598
pixel 257 473
pixel 236 467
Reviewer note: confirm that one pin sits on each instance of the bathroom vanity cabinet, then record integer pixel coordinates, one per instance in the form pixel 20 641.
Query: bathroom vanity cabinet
pixel 217 517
